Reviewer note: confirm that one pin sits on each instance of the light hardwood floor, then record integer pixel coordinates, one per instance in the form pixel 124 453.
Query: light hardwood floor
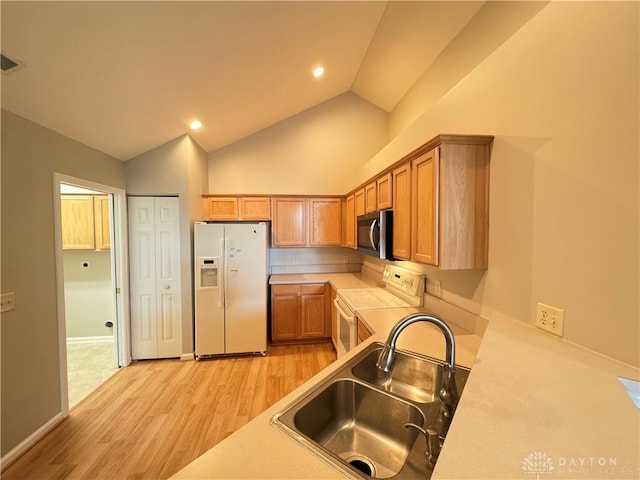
pixel 154 417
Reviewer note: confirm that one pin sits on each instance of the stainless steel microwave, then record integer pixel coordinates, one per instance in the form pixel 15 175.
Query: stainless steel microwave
pixel 374 234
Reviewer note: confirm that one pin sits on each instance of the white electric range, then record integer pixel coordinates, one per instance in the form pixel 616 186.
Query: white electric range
pixel 402 288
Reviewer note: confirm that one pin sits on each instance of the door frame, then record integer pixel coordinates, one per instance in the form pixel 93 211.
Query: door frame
pixel 119 274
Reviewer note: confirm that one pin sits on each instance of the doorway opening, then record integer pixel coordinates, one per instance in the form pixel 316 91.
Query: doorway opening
pixel 92 315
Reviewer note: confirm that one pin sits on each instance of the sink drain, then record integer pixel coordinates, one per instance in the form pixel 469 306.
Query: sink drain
pixel 363 465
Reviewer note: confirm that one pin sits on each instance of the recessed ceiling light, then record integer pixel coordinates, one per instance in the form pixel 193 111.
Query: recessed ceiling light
pixel 318 72
pixel 195 125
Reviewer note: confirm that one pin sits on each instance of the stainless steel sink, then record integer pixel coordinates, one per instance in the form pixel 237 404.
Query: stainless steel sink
pixel 354 420
pixel 360 425
pixel 415 378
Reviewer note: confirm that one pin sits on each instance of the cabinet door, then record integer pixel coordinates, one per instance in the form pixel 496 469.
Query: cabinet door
pixel 254 208
pixel 325 221
pixel 363 332
pixel 313 312
pixel 384 190
pixel 350 222
pixel 77 222
pixel 370 197
pixel 101 214
pixel 288 226
pixel 284 317
pixel 402 212
pixel 425 208
pixel 359 202
pixel 221 208
pixel 334 319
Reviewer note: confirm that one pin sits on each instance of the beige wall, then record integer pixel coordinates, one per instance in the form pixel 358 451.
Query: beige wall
pixel 175 168
pixel 562 101
pixel 88 293
pixel 30 367
pixel 561 97
pixel 315 152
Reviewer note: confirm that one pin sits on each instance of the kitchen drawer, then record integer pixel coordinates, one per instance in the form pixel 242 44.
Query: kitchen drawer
pixel 312 289
pixel 284 289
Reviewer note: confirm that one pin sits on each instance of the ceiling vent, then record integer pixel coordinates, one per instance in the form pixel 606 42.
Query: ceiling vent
pixel 9 65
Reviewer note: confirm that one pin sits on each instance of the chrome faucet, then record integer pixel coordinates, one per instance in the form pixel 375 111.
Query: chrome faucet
pixel 447 393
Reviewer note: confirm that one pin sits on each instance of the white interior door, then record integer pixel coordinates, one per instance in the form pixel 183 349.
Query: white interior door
pixel 168 293
pixel 154 248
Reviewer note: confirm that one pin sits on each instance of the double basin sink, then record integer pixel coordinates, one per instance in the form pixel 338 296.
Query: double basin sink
pixel 355 419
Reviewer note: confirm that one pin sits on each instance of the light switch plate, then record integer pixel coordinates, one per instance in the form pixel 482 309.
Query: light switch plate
pixel 7 302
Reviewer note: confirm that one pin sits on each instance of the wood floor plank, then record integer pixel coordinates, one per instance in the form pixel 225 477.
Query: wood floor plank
pixel 154 417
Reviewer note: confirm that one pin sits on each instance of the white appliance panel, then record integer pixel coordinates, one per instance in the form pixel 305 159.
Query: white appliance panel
pixel 209 304
pixel 231 317
pixel 246 288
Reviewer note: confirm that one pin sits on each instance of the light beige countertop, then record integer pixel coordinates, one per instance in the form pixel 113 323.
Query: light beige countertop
pixel 530 396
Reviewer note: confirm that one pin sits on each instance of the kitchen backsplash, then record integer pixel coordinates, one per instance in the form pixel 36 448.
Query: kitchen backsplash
pixel 314 260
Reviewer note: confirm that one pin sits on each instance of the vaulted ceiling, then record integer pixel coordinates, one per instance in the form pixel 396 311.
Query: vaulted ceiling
pixel 125 77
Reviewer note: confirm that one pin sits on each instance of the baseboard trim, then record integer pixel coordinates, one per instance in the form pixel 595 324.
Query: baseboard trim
pixel 30 441
pixel 100 339
pixel 186 356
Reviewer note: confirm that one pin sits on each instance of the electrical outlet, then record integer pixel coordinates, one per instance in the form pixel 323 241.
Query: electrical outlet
pixel 550 319
pixel 294 259
pixel 7 302
pixel 437 288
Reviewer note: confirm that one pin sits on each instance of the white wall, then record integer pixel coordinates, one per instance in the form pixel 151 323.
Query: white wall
pixel 315 152
pixel 88 293
pixel 561 97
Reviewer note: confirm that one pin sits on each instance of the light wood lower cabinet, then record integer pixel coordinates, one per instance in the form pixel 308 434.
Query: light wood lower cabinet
pixel 363 332
pixel 334 318
pixel 300 313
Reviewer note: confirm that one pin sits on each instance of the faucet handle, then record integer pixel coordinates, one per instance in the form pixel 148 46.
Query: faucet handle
pixel 433 442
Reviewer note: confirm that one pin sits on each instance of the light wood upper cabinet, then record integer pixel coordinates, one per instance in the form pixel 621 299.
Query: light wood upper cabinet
pixel 101 212
pixel 349 223
pixel 78 229
pixel 450 203
pixel 288 222
pixel 425 203
pixel 325 222
pixel 254 208
pixel 224 208
pixel 384 191
pixel 402 212
pixel 85 222
pixel 221 208
pixel 359 202
pixel 370 197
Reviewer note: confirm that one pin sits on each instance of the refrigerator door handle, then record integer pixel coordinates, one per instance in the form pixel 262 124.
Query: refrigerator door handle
pixel 226 274
pixel 223 265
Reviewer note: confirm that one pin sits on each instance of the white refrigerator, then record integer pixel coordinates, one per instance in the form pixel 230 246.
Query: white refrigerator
pixel 231 270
